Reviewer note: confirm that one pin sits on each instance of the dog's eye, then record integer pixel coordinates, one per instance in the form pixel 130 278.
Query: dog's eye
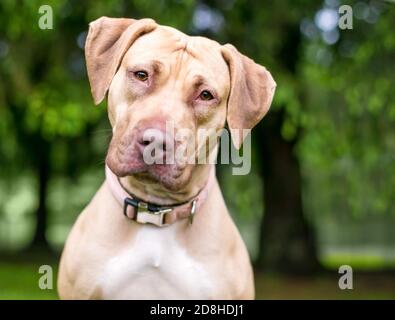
pixel 206 95
pixel 141 75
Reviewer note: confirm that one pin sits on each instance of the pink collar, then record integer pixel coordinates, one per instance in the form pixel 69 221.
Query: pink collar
pixel 145 212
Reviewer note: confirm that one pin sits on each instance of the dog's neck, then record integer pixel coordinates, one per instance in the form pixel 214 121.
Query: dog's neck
pixel 156 193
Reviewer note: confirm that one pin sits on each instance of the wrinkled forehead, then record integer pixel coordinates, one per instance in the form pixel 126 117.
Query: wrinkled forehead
pixel 172 47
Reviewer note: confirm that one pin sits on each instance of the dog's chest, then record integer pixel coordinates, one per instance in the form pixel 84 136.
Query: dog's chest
pixel 154 267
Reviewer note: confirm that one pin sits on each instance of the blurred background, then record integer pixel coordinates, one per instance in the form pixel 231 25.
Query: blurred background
pixel 322 188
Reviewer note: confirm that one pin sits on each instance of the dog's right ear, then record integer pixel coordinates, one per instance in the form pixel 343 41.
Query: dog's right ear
pixel 107 42
pixel 251 93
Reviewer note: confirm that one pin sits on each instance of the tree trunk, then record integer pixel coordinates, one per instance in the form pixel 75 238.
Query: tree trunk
pixel 43 170
pixel 286 243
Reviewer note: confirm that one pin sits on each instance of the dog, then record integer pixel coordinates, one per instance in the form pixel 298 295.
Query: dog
pixel 162 231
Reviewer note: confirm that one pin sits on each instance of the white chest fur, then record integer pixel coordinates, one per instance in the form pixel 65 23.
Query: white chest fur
pixel 156 266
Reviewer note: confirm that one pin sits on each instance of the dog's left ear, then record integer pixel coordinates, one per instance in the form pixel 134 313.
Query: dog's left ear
pixel 251 92
pixel 107 42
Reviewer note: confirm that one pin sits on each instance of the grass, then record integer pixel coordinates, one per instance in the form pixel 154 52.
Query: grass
pixel 362 261
pixel 365 286
pixel 19 280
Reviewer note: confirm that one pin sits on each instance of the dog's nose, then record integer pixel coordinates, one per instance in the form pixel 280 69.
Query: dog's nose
pixel 155 141
pixel 152 137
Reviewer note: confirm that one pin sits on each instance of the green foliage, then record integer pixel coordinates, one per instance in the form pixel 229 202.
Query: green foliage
pixel 349 138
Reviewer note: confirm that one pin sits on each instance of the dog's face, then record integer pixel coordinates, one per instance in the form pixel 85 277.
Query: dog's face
pixel 164 89
pixel 165 81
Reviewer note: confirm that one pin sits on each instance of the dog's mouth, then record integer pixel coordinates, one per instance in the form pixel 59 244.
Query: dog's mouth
pixel 151 156
pixel 171 176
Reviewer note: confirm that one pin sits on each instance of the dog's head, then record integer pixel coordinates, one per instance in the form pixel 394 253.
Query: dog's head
pixel 159 78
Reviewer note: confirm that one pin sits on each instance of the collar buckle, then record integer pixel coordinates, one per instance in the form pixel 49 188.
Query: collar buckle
pixel 144 213
pixel 192 212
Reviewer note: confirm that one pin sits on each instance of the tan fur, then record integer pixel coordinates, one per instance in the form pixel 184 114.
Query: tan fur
pixel 211 246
